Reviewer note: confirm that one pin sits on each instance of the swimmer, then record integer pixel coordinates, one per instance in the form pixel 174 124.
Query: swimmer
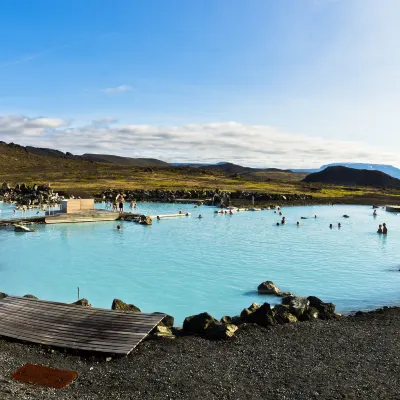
pixel 384 230
pixel 180 211
pixel 375 213
pixel 280 213
pixel 298 223
pixel 118 227
pixel 230 212
pixel 277 224
pixel 315 216
pixel 187 214
pixel 331 226
pixel 339 225
pixel 380 229
pixel 200 216
pixel 158 218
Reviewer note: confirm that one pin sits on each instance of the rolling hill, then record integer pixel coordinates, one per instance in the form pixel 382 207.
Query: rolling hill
pixel 339 175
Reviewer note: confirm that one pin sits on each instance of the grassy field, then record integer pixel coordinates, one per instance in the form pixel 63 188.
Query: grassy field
pixel 18 166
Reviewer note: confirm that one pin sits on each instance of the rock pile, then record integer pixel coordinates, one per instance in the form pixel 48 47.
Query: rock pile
pixel 209 197
pixel 29 195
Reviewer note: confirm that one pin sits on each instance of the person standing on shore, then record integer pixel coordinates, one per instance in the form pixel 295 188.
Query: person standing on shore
pixel 120 200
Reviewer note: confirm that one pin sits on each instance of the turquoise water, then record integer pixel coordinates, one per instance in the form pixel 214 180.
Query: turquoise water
pixel 187 265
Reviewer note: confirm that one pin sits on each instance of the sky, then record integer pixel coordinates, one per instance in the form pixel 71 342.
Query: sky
pixel 264 83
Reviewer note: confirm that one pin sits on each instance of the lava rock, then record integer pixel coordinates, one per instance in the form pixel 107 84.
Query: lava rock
pixel 218 331
pixel 120 305
pixel 82 302
pixel 161 332
pixel 31 296
pixel 198 323
pixel 283 315
pixel 247 311
pixel 264 316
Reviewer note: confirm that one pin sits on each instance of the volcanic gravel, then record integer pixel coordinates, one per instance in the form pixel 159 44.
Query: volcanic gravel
pixel 353 358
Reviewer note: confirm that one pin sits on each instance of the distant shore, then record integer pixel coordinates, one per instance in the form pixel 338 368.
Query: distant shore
pixel 356 357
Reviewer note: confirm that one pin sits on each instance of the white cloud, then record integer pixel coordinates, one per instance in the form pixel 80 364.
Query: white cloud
pixel 251 145
pixel 14 127
pixel 118 89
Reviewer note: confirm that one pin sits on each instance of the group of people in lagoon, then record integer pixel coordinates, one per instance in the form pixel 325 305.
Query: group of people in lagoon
pixel 382 229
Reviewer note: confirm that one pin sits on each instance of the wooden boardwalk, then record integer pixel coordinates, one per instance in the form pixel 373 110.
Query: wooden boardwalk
pixel 74 327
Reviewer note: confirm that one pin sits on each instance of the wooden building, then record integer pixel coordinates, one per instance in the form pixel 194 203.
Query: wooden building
pixel 71 206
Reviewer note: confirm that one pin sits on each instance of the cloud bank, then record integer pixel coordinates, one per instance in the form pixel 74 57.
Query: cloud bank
pixel 249 145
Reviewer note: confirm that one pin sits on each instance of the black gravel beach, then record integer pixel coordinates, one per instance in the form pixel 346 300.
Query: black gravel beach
pixel 357 357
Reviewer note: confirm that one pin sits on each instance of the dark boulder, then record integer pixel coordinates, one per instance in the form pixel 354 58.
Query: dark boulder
pixel 283 315
pixel 325 310
pixel 218 331
pixel 310 314
pixel 247 311
pixel 297 305
pixel 226 320
pixel 3 295
pixel 264 316
pixel 120 305
pixel 198 323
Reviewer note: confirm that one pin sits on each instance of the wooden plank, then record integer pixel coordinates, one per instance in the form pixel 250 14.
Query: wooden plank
pixel 74 327
pixel 71 308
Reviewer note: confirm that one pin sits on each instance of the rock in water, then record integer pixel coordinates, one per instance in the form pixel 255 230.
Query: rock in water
pixel 82 302
pixel 218 331
pixel 120 305
pixel 31 296
pixel 263 316
pixel 283 315
pixel 145 220
pixel 198 323
pixel 268 287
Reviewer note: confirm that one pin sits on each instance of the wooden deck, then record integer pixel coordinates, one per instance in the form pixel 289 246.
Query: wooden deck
pixel 82 216
pixel 74 327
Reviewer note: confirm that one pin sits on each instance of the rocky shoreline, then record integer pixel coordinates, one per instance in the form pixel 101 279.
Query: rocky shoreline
pixel 354 357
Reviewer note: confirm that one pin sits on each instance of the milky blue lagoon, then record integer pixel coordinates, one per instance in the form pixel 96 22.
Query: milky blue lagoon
pixel 187 265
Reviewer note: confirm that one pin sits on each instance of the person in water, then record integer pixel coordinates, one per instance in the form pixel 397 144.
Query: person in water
pixel 380 229
pixel 118 227
pixel 384 230
pixel 339 225
pixel 331 226
pixel 158 218
pixel 277 224
pixel 200 216
pixel 298 223
pixel 375 213
pixel 315 216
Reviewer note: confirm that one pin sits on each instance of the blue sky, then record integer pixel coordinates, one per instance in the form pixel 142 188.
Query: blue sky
pixel 287 83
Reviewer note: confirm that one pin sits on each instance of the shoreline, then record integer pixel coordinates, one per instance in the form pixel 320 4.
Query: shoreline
pixel 353 357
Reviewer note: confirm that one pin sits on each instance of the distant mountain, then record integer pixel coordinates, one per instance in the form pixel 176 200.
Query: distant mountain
pixel 338 175
pixel 387 169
